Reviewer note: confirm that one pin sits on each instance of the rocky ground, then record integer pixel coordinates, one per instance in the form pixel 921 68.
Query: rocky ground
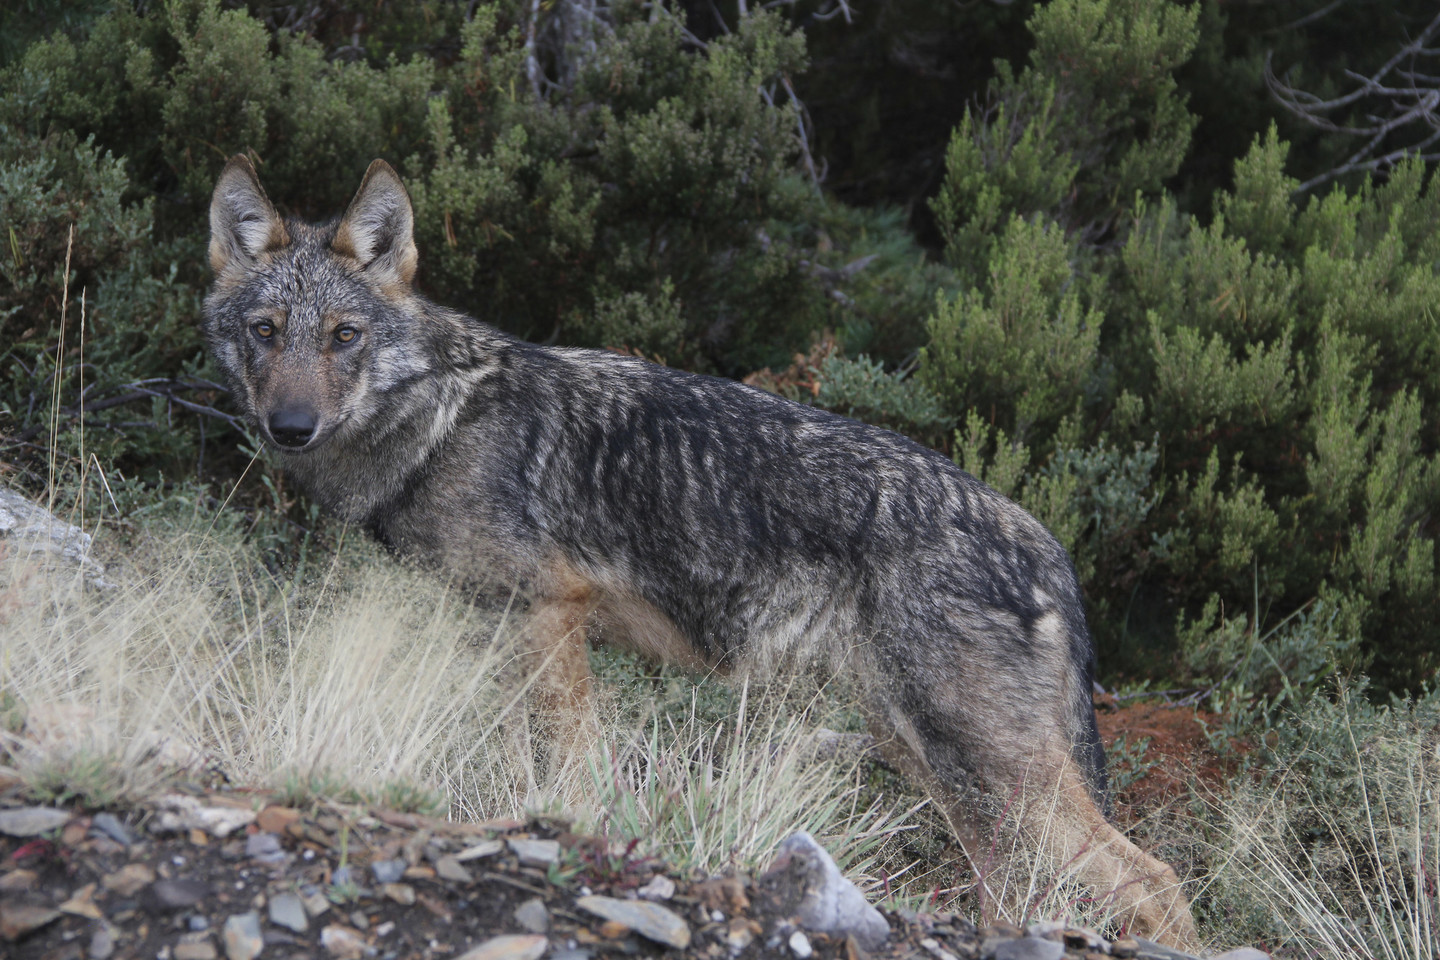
pixel 200 875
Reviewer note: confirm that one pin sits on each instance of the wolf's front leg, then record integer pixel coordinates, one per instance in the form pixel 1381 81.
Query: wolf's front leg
pixel 561 698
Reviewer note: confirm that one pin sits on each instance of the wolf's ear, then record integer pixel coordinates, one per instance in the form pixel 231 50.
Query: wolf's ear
pixel 243 221
pixel 378 228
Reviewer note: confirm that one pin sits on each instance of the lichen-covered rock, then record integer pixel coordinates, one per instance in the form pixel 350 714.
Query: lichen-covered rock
pixel 804 883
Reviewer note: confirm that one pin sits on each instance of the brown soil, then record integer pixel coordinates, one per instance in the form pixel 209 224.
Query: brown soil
pixel 1178 759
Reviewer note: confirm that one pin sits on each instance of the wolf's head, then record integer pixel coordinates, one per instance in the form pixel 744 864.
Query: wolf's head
pixel 316 327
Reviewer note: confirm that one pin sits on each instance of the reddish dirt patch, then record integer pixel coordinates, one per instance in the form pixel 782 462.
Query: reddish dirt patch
pixel 1178 758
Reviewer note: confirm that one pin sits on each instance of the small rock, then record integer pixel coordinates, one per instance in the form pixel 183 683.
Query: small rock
pixel 18 881
pixel 243 940
pixel 1124 948
pixel 932 946
pixel 647 919
pixel 800 945
pixel 521 947
pixel 110 825
pixel 315 902
pixel 385 929
pixel 82 903
pixel 194 950
pixel 167 896
pixel 102 943
pixel 486 848
pixel 288 911
pixel 32 821
pixel 1029 948
pixel 388 871
pixel 1083 938
pixel 533 916
pixel 401 893
pixel 1150 950
pixel 129 879
pixel 740 934
pixel 359 920
pixel 569 954
pixel 198 922
pixel 450 869
pixel 178 813
pixel 805 883
pixel 342 942
pixel 264 847
pixel 660 887
pixel 275 819
pixel 536 853
pixel 17 919
pixel 342 876
pixel 1244 953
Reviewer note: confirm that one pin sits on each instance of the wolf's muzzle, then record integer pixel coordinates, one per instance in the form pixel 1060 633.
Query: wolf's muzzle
pixel 292 428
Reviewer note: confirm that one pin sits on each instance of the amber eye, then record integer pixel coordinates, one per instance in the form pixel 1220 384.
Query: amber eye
pixel 264 330
pixel 346 334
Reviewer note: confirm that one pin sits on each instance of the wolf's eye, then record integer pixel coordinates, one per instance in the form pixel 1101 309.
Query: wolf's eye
pixel 264 330
pixel 346 334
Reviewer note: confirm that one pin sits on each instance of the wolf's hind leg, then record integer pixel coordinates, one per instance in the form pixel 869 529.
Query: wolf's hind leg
pixel 1061 819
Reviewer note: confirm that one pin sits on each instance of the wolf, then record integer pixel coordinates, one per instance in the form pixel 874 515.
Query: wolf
pixel 693 519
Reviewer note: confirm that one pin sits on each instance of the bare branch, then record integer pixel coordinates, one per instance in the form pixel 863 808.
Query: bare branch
pixel 1402 115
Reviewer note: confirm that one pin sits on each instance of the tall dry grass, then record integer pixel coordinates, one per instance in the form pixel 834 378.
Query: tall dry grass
pixel 379 682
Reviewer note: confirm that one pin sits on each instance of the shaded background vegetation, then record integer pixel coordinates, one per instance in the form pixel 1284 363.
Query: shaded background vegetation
pixel 1082 246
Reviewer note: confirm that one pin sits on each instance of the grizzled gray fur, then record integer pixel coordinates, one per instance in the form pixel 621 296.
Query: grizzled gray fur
pixel 696 520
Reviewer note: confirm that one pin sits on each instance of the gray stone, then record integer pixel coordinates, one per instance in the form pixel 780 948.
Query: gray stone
pixel 170 895
pixel 932 947
pixel 1029 948
pixel 517 947
pixel 177 813
pixel 533 916
pixel 388 871
pixel 536 853
pixel 448 868
pixel 110 825
pixel 315 901
pixel 342 942
pixel 1243 953
pixel 805 883
pixel 265 847
pixel 18 919
pixel 485 848
pixel 41 536
pixel 401 893
pixel 1150 950
pixel 243 940
pixel 32 821
pixel 650 920
pixel 194 950
pixel 800 945
pixel 660 887
pixel 198 922
pixel 569 954
pixel 102 942
pixel 288 911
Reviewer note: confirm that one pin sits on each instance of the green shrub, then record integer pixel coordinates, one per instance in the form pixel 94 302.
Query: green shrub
pixel 1279 359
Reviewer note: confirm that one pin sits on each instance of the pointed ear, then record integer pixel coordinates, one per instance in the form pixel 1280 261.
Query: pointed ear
pixel 378 228
pixel 243 222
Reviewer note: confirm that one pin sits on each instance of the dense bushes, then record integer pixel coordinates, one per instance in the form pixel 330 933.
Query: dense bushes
pixel 1280 355
pixel 1225 404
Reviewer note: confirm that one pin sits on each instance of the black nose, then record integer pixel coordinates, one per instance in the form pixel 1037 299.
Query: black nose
pixel 292 428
